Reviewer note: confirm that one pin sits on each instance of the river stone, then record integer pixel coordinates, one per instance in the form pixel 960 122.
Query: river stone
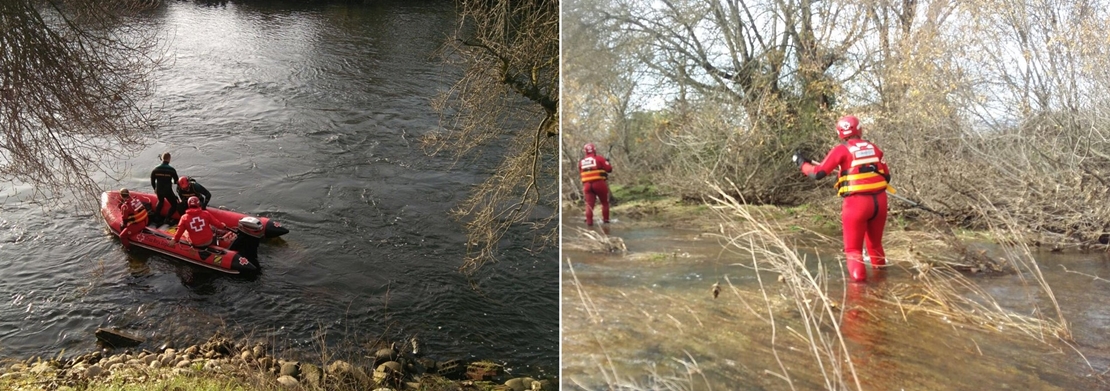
pixel 246 356
pixel 288 382
pixel 430 366
pixel 521 383
pixel 516 383
pixel 169 357
pixel 192 350
pixel 258 351
pixel 117 338
pixel 155 364
pixel 93 357
pixel 94 371
pixel 289 368
pixel 111 361
pixel 347 373
pixel 383 355
pixel 311 375
pixel 183 364
pixel 391 367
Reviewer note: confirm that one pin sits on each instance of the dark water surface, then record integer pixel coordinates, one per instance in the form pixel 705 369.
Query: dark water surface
pixel 311 115
pixel 650 322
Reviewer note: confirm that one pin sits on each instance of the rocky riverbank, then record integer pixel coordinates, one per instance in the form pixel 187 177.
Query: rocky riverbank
pixel 253 366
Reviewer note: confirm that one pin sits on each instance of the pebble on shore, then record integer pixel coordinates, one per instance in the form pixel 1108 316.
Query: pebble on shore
pixel 390 369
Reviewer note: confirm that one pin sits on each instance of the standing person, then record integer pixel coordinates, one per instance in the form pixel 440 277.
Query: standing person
pixel 199 224
pixel 134 217
pixel 595 170
pixel 162 179
pixel 188 187
pixel 862 179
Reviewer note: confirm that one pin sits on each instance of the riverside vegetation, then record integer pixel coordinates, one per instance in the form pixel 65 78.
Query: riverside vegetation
pixel 221 364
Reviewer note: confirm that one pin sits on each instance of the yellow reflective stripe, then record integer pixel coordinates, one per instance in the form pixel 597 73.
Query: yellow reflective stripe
pixel 137 216
pixel 592 175
pixel 849 184
pixel 872 186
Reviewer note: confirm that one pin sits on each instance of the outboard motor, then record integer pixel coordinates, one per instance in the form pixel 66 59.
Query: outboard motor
pixel 246 242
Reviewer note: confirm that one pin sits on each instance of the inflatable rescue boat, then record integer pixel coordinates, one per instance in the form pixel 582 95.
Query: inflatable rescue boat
pixel 218 257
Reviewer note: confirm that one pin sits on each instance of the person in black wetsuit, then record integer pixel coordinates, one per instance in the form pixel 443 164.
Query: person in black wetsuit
pixel 162 180
pixel 188 187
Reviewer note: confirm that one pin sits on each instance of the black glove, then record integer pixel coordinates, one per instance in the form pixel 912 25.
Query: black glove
pixel 799 158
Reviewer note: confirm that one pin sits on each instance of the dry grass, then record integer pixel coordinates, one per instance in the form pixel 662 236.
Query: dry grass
pixel 593 241
pixel 805 286
pixel 944 264
pixel 940 263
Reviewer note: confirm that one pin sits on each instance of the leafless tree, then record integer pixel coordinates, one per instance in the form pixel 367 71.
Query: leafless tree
pixel 73 78
pixel 979 105
pixel 506 106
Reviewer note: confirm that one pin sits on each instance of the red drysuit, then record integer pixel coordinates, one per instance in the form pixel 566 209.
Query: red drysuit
pixel 862 180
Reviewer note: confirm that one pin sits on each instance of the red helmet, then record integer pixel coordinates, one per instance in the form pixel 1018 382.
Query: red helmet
pixel 847 126
pixel 589 149
pixel 194 202
pixel 183 182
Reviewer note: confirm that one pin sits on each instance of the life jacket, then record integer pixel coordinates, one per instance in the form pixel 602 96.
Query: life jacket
pixel 591 170
pixel 138 211
pixel 866 175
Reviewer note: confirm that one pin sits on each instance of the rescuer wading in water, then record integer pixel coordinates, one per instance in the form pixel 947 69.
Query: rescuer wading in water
pixel 862 179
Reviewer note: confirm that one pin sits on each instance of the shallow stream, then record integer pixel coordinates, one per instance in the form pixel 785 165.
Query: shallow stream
pixel 651 322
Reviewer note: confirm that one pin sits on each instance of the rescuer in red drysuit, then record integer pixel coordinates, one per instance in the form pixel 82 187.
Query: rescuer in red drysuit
pixel 199 223
pixel 862 179
pixel 134 217
pixel 595 170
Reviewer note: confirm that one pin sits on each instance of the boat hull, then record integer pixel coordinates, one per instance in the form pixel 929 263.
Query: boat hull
pixel 218 257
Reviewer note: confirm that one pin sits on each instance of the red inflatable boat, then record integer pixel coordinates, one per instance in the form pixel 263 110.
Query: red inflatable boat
pixel 218 258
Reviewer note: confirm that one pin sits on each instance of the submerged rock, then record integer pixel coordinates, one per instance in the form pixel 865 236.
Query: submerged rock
pixel 116 338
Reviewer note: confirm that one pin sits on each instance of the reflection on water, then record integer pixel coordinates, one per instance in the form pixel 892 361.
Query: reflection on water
pixel 310 114
pixel 654 324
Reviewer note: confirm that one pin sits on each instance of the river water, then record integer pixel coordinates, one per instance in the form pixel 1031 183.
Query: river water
pixel 648 320
pixel 312 115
